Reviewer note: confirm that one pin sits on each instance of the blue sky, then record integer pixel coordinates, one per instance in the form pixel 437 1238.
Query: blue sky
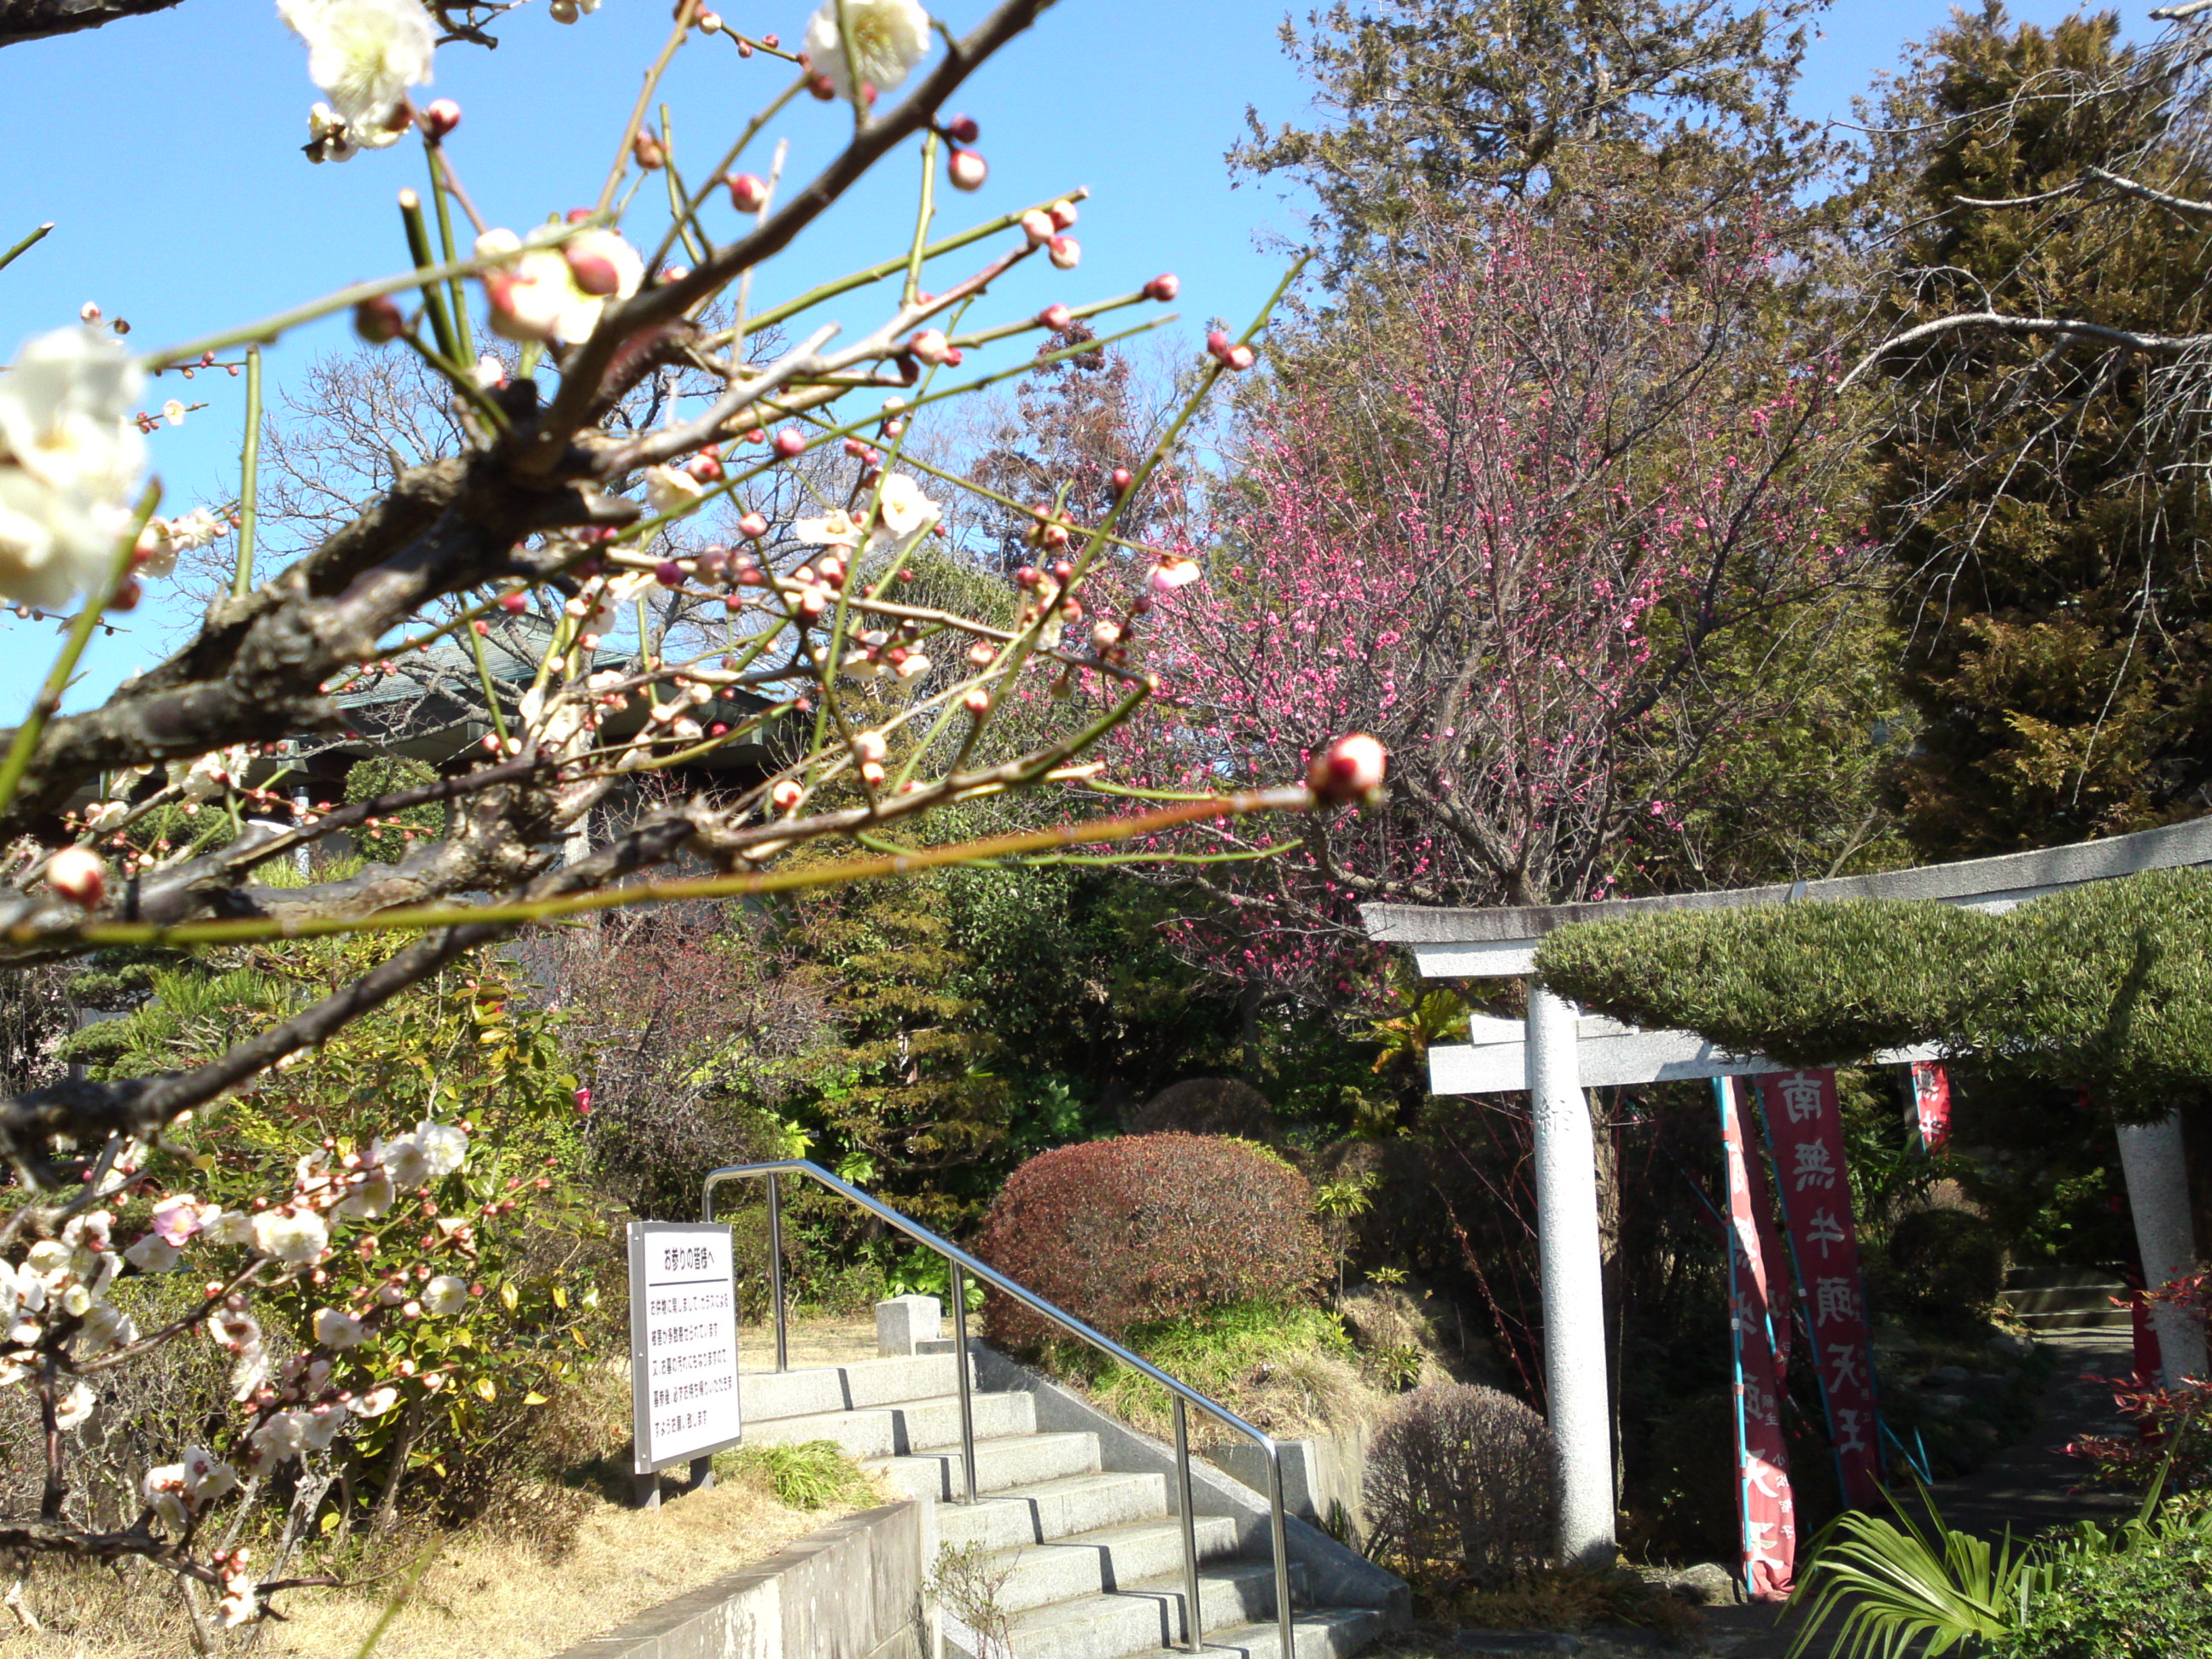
pixel 165 150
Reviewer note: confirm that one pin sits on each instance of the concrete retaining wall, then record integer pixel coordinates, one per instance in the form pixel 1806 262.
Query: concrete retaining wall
pixel 1323 1478
pixel 851 1590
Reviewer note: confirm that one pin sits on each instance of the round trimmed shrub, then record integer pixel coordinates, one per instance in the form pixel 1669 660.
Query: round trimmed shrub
pixel 1125 1232
pixel 1462 1485
pixel 1948 1263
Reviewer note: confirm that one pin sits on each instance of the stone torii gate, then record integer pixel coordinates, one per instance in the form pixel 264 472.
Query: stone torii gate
pixel 1554 1056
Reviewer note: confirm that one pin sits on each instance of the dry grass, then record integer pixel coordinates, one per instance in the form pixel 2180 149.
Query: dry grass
pixel 486 1592
pixel 838 1340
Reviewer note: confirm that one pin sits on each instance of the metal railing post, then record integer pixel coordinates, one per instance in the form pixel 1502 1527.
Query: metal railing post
pixel 775 1272
pixel 1193 1626
pixel 960 1360
pixel 1282 1551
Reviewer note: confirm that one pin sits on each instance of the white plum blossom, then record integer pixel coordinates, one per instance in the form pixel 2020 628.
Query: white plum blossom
pixel 280 1437
pixel 227 1227
pixel 319 1425
pixel 372 1194
pixel 163 539
pixel 208 775
pixel 152 1255
pixel 446 1147
pixel 667 491
pixel 234 1328
pixel 901 511
pixel 206 1477
pixel 294 1237
pixel 835 528
pixel 73 1407
pixel 165 1494
pixel 535 292
pixel 106 1326
pixel 71 461
pixel 334 1329
pixel 375 1402
pixel 883 40
pixel 364 54
pixel 329 137
pixel 444 1295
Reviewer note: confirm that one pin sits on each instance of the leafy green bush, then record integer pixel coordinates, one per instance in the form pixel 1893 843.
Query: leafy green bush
pixel 1286 1369
pixel 2151 1601
pixel 809 1475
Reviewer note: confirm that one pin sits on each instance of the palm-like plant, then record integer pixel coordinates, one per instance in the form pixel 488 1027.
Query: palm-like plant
pixel 1907 1590
pixel 1902 1588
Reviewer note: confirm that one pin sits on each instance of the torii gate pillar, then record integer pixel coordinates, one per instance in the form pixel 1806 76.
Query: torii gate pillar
pixel 1573 1273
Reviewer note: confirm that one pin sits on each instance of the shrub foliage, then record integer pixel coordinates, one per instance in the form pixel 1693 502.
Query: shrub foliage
pixel 1462 1485
pixel 1149 1227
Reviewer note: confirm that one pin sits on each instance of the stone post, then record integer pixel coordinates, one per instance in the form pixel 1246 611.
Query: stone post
pixel 2157 1171
pixel 1573 1281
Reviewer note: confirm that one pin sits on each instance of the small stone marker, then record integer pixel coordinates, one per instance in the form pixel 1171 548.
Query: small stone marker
pixel 905 1322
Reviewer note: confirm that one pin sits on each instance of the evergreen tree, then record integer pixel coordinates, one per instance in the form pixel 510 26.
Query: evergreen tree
pixel 2046 496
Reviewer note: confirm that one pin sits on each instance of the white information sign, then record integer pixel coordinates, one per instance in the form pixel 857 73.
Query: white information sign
pixel 684 1341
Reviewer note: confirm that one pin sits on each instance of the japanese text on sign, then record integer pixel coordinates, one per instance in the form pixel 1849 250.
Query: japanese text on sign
pixel 684 1341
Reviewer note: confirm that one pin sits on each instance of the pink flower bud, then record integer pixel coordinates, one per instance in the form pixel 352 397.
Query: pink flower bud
pixel 79 875
pixel 869 745
pixel 646 149
pixel 1063 215
pixel 786 794
pixel 977 702
pixel 966 169
pixel 747 191
pixel 378 320
pixel 1120 479
pixel 963 129
pixel 871 775
pixel 480 627
pixel 1066 252
pixel 1055 317
pixel 1217 343
pixel 812 603
pixel 707 468
pixel 1163 287
pixel 929 345
pixel 954 356
pixel 513 602
pixel 744 46
pixel 753 525
pixel 668 573
pixel 771 42
pixel 823 87
pixel 441 118
pixel 1239 358
pixel 1350 768
pixel 1037 225
pixel 710 22
pixel 594 273
pixel 790 442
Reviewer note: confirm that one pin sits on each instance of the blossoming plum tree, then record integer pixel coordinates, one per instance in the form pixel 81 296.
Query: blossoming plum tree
pixel 1546 524
pixel 553 510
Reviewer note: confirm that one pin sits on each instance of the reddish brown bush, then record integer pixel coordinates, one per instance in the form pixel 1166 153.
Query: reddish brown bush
pixel 1147 1227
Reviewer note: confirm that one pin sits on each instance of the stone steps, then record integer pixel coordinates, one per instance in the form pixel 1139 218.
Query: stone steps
pixel 1088 1559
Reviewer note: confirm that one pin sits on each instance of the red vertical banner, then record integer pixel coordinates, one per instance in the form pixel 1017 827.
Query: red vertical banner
pixel 1805 1127
pixel 1764 1504
pixel 1931 1104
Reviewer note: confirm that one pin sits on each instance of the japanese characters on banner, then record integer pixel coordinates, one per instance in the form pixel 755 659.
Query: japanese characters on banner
pixel 684 1342
pixel 1765 1504
pixel 1805 1129
pixel 1931 1104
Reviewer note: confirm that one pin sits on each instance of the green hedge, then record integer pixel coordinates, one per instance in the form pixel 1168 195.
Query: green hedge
pixel 2152 1602
pixel 2105 987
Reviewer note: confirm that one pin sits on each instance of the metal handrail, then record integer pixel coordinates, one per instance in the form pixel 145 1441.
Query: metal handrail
pixel 962 1263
